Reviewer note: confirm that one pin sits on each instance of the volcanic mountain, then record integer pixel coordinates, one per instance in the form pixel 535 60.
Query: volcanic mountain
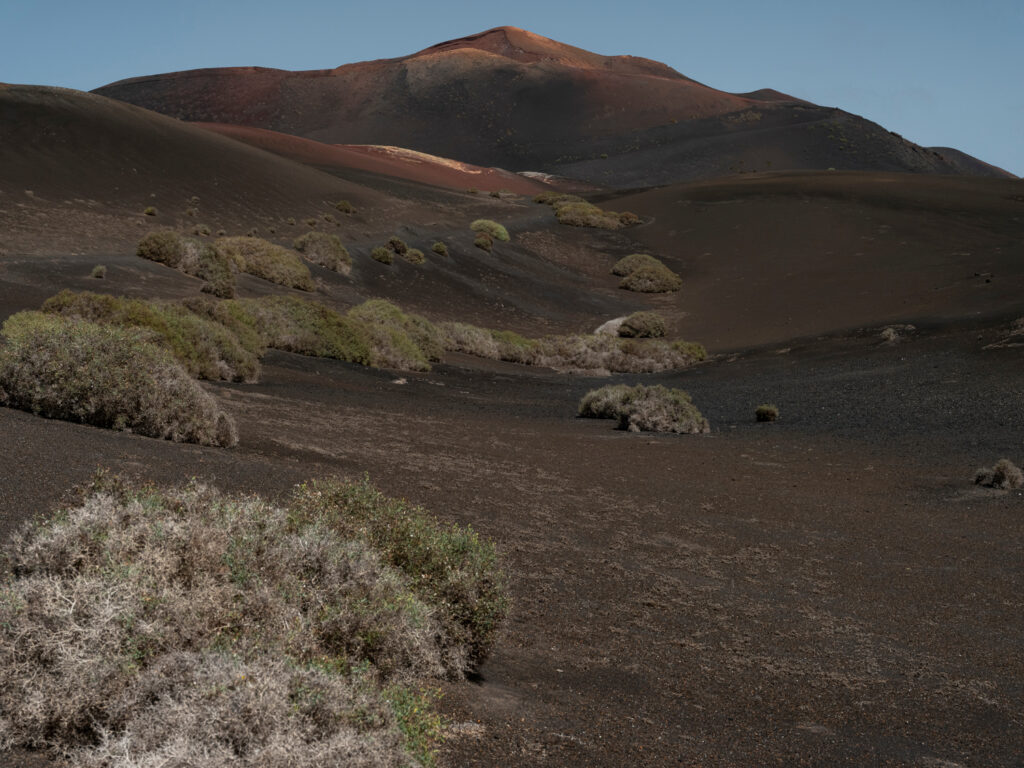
pixel 510 98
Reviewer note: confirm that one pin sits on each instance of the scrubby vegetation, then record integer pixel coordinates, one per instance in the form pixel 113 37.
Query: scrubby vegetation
pixel 644 409
pixel 149 210
pixel 439 248
pixel 766 412
pixel 397 245
pixel 105 375
pixel 645 274
pixel 99 272
pixel 205 348
pixel 344 206
pixel 1005 474
pixel 267 261
pixel 414 256
pixel 186 627
pixel 577 212
pixel 398 340
pixel 591 352
pixel 191 257
pixel 643 325
pixel 483 241
pixel 326 250
pixel 492 228
pixel 382 254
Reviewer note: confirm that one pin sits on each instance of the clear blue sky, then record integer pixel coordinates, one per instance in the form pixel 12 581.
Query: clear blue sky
pixel 940 72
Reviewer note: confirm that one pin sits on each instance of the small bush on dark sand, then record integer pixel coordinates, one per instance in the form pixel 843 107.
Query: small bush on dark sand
pixel 766 412
pixel 1005 474
pixel 184 627
pixel 397 245
pixel 629 264
pixel 439 248
pixel 645 409
pixel 326 250
pixel 398 340
pixel 344 206
pixel 99 272
pixel 483 241
pixel 205 348
pixel 652 279
pixel 585 214
pixel 107 376
pixel 591 352
pixel 492 228
pixel 265 260
pixel 383 255
pixel 414 256
pixel 643 325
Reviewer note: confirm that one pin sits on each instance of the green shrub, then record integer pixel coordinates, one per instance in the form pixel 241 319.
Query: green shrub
pixel 483 241
pixel 449 567
pixel 492 228
pixel 265 260
pixel 583 214
pixel 644 409
pixel 205 348
pixel 439 248
pixel 397 245
pixel 643 325
pixel 191 628
pixel 415 256
pixel 106 376
pixel 766 412
pixel 1005 474
pixel 344 206
pixel 398 340
pixel 383 255
pixel 633 262
pixel 149 211
pixel 98 272
pixel 326 250
pixel 163 245
pixel 654 279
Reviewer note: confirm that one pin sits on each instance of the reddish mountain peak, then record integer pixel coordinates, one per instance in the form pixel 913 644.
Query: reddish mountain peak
pixel 525 47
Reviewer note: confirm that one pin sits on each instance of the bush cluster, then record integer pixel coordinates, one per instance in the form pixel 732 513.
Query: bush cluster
pixel 583 352
pixel 645 409
pixel 575 211
pixel 645 274
pixel 265 260
pixel 106 376
pixel 326 250
pixel 186 627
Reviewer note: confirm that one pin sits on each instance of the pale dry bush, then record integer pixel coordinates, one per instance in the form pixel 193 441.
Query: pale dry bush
pixel 645 409
pixel 1005 475
pixel 208 630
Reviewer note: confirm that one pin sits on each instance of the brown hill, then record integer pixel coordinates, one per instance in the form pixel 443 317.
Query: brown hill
pixel 510 98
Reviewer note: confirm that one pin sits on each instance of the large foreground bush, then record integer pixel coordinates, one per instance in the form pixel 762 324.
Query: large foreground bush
pixel 107 376
pixel 644 409
pixel 187 628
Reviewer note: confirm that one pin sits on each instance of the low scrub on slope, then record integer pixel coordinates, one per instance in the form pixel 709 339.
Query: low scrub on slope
pixel 326 250
pixel 204 347
pixel 577 212
pixel 107 376
pixel 643 325
pixel 492 229
pixel 397 339
pixel 265 260
pixel 644 409
pixel 645 274
pixel 184 627
pixel 191 256
pixel 583 352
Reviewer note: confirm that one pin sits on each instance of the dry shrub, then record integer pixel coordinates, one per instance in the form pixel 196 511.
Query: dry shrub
pixel 265 260
pixel 107 376
pixel 645 409
pixel 1005 474
pixel 162 245
pixel 344 206
pixel 326 250
pixel 652 279
pixel 556 198
pixel 767 412
pixel 383 255
pixel 583 352
pixel 414 256
pixel 397 245
pixel 398 340
pixel 643 325
pixel 483 241
pixel 583 214
pixel 492 228
pixel 205 348
pixel 185 627
pixel 629 264
pixel 439 248
pixel 99 272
